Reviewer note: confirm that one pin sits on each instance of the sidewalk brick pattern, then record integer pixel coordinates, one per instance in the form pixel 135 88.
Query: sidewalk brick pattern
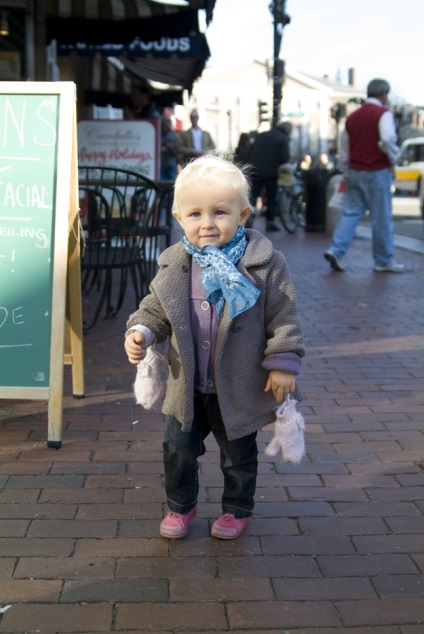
pixel 337 542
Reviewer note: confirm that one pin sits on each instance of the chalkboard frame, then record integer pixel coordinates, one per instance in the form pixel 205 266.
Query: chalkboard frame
pixel 65 221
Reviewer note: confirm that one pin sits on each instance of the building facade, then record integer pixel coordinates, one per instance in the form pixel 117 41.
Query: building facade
pixel 227 100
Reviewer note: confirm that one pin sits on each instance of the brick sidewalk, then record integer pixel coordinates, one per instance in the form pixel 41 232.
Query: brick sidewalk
pixel 337 543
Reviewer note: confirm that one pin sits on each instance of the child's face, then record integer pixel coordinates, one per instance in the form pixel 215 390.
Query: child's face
pixel 210 214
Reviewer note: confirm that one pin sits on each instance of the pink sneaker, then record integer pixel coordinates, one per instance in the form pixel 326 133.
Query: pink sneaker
pixel 228 527
pixel 175 525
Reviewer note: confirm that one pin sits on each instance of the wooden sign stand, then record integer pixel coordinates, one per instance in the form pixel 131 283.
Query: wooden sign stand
pixel 54 316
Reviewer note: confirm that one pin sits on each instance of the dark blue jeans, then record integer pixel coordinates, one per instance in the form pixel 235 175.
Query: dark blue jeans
pixel 239 461
pixel 168 172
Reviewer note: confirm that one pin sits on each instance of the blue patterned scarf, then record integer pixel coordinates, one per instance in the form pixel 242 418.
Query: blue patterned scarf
pixel 220 278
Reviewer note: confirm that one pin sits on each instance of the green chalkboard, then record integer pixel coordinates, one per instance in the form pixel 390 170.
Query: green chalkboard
pixel 28 174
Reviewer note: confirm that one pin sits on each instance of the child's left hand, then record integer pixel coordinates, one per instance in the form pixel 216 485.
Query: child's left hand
pixel 281 383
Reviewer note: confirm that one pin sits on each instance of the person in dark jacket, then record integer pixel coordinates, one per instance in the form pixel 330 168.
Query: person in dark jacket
pixel 142 106
pixel 270 150
pixel 242 151
pixel 168 155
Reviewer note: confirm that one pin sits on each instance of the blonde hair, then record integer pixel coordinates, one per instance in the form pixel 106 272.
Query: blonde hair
pixel 211 168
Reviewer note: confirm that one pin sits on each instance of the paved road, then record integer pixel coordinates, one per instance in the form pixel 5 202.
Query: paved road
pixel 337 543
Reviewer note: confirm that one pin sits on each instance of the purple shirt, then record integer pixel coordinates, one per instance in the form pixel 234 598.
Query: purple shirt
pixel 204 326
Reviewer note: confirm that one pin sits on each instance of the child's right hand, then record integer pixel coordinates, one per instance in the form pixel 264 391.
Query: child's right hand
pixel 135 347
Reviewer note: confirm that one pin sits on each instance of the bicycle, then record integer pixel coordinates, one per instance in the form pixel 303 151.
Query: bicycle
pixel 291 201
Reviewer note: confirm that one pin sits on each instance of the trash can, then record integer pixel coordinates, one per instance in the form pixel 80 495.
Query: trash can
pixel 316 181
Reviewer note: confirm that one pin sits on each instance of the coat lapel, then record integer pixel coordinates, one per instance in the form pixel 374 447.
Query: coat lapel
pixel 172 286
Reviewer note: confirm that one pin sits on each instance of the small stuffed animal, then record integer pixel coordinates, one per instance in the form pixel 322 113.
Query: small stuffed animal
pixel 288 433
pixel 149 386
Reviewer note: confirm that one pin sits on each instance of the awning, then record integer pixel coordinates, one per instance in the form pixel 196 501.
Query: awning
pixel 109 36
pixel 121 9
pixel 152 42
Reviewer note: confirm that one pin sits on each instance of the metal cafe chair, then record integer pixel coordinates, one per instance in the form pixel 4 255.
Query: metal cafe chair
pixel 158 233
pixel 119 212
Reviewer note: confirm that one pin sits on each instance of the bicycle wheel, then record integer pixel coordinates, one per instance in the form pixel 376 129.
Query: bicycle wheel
pixel 299 210
pixel 285 205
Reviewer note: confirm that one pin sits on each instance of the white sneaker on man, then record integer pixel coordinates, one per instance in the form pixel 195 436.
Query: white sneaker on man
pixel 392 267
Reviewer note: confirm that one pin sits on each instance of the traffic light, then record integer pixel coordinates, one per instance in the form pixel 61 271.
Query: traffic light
pixel 264 114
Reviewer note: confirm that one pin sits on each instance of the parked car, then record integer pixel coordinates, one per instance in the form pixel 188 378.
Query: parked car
pixel 410 167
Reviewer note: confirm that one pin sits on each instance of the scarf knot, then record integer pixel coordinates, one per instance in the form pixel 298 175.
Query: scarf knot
pixel 220 278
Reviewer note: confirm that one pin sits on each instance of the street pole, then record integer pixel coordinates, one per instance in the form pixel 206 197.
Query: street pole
pixel 281 19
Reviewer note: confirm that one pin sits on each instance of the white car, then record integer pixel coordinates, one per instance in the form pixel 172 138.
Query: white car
pixel 410 166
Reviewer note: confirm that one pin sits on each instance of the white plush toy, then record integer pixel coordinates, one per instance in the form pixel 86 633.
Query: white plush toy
pixel 288 433
pixel 149 385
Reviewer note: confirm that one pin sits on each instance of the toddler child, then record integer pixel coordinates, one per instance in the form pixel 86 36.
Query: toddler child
pixel 224 299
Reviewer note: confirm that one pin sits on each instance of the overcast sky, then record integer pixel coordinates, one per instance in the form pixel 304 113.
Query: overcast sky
pixel 380 38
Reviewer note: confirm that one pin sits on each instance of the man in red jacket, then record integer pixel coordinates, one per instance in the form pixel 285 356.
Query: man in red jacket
pixel 368 155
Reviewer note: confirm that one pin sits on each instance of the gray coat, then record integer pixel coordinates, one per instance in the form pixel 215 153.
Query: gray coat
pixel 271 326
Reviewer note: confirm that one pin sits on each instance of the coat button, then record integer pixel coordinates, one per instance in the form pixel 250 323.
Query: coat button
pixel 205 305
pixel 238 328
pixel 206 344
pixel 209 383
pixel 184 268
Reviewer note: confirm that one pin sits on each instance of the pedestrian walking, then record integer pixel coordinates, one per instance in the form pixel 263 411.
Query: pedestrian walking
pixel 142 104
pixel 242 151
pixel 367 158
pixel 194 142
pixel 168 155
pixel 224 299
pixel 270 150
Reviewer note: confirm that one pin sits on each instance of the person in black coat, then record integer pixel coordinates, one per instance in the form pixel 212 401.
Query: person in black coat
pixel 142 106
pixel 270 150
pixel 242 151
